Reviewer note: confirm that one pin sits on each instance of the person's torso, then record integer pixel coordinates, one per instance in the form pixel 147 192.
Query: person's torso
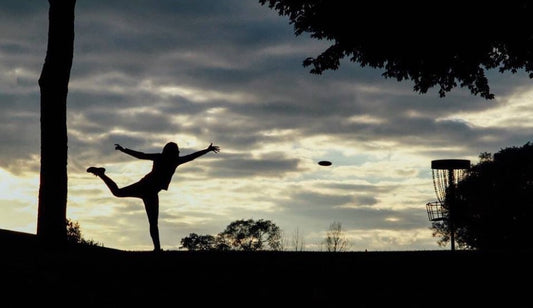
pixel 162 171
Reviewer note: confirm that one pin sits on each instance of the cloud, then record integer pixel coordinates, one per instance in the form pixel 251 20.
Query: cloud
pixel 270 165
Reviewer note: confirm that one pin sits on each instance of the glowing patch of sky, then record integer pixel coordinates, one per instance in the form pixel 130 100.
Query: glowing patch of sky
pixel 513 112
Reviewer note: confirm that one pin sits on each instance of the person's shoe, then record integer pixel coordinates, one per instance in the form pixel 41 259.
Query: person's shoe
pixel 96 171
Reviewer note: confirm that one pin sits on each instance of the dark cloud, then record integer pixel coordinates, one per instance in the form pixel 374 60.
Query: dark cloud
pixel 313 200
pixel 19 132
pixel 366 188
pixel 365 200
pixel 271 165
pixel 137 42
pixel 21 8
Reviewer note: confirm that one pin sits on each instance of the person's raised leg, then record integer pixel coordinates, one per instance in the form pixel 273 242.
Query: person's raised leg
pixel 151 204
pixel 113 187
pixel 133 190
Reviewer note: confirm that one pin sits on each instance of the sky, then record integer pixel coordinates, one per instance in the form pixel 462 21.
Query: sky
pixel 230 72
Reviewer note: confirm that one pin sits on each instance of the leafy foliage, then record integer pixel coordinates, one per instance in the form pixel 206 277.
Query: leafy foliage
pixel 250 235
pixel 74 234
pixel 247 235
pixel 73 231
pixel 494 206
pixel 199 242
pixel 336 240
pixel 449 45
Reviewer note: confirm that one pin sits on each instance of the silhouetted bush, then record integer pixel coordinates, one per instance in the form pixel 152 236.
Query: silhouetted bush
pixel 74 235
pixel 494 204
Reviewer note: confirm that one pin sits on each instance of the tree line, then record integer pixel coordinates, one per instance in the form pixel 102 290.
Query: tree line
pixel 257 235
pixel 240 235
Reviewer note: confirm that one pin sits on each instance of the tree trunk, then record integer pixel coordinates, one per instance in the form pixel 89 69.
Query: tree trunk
pixel 53 82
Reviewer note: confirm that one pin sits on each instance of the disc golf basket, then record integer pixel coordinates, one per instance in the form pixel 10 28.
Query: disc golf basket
pixel 436 211
pixel 446 174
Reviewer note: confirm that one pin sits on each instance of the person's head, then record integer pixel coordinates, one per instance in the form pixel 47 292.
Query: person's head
pixel 171 149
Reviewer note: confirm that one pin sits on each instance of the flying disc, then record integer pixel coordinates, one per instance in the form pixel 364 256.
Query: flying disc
pixel 324 163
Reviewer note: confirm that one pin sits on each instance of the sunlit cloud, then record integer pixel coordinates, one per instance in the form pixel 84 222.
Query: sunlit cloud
pixel 511 113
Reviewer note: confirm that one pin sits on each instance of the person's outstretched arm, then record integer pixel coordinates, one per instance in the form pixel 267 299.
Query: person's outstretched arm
pixel 187 158
pixel 136 154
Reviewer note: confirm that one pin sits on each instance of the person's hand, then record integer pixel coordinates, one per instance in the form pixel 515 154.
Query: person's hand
pixel 213 148
pixel 118 147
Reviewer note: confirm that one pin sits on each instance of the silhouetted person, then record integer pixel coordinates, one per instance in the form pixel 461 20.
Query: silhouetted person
pixel 147 189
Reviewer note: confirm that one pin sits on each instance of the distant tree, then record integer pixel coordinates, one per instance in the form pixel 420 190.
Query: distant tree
pixel 199 242
pixel 74 236
pixel 251 235
pixel 451 46
pixel 336 240
pixel 297 241
pixel 494 207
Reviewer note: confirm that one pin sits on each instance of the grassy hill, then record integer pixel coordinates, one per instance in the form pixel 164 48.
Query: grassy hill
pixel 104 277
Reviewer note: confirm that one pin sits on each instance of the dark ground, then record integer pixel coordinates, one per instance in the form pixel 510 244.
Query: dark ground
pixel 104 277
